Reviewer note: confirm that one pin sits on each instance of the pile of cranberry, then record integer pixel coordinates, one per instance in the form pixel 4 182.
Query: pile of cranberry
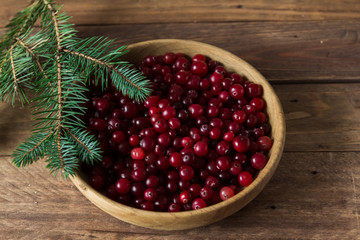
pixel 200 138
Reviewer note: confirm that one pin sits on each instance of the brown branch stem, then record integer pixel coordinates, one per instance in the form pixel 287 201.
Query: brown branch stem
pixel 13 70
pixel 37 145
pixel 59 77
pixel 78 140
pixel 35 56
pixel 111 67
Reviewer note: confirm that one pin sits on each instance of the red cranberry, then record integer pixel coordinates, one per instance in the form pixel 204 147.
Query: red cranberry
pixel 175 159
pixel 97 182
pixel 226 193
pixel 241 143
pixel 254 90
pixel 206 192
pixel 236 91
pixel 258 160
pixel 196 110
pixel 186 173
pixel 264 143
pixel 137 153
pixel 102 105
pixel 198 203
pixel 169 58
pixel 201 149
pixel 123 186
pixel 245 178
pixel 199 68
pixel 150 195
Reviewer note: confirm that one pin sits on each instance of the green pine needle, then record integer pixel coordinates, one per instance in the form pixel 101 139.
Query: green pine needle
pixel 56 66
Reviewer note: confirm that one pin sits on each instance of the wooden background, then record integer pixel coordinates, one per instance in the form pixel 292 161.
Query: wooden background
pixel 310 52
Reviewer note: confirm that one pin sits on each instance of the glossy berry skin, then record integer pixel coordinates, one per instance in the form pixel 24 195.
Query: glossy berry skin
pixel 123 186
pixel 186 173
pixel 185 196
pixel 201 148
pixel 254 90
pixel 198 203
pixel 118 137
pixel 196 110
pixel 258 160
pixel 137 153
pixel 102 105
pixel 99 124
pixel 150 195
pixel 236 91
pixel 199 68
pixel 241 143
pixel 226 193
pixel 175 159
pixel 174 207
pixel 245 178
pixel 264 143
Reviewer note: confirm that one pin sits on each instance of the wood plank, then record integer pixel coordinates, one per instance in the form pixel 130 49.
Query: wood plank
pixel 282 51
pixel 301 51
pixel 91 12
pixel 311 196
pixel 319 117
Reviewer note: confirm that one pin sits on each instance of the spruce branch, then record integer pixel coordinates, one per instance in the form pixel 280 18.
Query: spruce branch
pixel 57 66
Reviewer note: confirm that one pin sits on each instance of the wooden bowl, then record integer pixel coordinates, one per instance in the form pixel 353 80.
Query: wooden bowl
pixel 211 214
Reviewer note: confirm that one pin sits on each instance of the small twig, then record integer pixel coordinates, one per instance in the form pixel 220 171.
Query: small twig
pixel 59 78
pixel 37 145
pixel 78 140
pixel 13 70
pixel 35 56
pixel 111 67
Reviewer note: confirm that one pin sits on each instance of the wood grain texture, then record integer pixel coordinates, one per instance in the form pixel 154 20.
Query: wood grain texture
pixel 300 51
pixel 319 117
pixel 311 51
pixel 94 12
pixel 311 196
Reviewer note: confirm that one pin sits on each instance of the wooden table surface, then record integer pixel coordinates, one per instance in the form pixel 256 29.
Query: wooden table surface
pixel 309 50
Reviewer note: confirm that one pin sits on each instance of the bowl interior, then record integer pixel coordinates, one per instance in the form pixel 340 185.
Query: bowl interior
pixel 191 219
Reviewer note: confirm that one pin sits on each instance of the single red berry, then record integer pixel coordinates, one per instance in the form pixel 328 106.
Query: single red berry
pixel 186 173
pixel 137 153
pixel 198 203
pixel 198 58
pixel 199 68
pixel 258 160
pixel 150 195
pixel 236 91
pixel 201 148
pixel 245 178
pixel 264 143
pixel 226 193
pixel 185 196
pixel 134 140
pixel 228 136
pixel 118 137
pixel 102 105
pixel 215 133
pixel 175 159
pixel 138 175
pixel 174 207
pixel 241 143
pixel 123 186
pixel 223 163
pixel 206 192
pixel 196 110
